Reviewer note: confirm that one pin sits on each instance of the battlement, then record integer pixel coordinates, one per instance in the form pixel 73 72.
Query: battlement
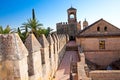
pixel 37 59
pixel 62 23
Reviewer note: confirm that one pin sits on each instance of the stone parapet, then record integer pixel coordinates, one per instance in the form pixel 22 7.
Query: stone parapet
pixel 105 75
pixel 34 58
pixel 51 55
pixel 81 67
pixel 55 51
pixel 45 57
pixel 14 58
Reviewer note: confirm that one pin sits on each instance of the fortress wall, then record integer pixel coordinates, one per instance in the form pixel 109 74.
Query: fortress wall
pixel 55 52
pixel 13 64
pixel 51 55
pixel 45 54
pixel 18 62
pixel 82 70
pixel 34 58
pixel 105 75
pixel 84 73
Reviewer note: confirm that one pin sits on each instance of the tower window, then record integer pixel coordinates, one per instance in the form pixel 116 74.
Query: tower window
pixel 102 44
pixel 72 16
pixel 105 28
pixel 98 28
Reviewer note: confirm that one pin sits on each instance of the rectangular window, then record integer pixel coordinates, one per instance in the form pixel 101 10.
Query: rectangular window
pixel 102 44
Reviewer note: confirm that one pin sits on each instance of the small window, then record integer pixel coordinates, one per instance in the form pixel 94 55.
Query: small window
pixel 98 28
pixel 105 28
pixel 102 44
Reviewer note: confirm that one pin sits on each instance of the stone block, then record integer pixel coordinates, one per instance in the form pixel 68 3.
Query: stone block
pixel 34 57
pixel 14 64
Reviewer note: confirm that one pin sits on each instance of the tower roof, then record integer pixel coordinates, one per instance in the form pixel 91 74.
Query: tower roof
pixel 71 8
pixel 85 21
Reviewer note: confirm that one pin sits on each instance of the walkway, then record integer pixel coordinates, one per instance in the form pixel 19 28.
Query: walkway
pixel 63 71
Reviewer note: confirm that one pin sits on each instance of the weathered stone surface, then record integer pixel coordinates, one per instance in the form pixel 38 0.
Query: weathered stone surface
pixel 50 39
pixel 67 38
pixel 54 38
pixel 43 41
pixel 12 47
pixel 32 44
pixel 55 51
pixel 51 55
pixel 1 56
pixel 34 57
pixel 14 65
pixel 45 57
pixel 105 75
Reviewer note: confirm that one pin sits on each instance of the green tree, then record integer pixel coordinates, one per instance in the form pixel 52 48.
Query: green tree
pixel 23 35
pixel 32 24
pixel 6 30
pixel 49 30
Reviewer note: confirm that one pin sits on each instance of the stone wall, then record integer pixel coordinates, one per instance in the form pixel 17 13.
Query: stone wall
pixel 84 73
pixel 105 75
pixel 92 44
pixel 102 57
pixel 81 66
pixel 37 59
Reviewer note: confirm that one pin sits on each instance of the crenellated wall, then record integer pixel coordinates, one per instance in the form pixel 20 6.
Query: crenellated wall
pixel 37 59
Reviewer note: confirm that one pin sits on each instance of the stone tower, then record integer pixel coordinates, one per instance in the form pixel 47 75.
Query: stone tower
pixel 72 27
pixel 72 15
pixel 85 24
pixel 72 22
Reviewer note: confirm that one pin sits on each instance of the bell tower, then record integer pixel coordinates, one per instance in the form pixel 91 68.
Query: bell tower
pixel 72 23
pixel 72 15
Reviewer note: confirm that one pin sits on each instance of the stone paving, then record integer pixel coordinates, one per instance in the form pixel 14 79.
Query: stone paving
pixel 63 71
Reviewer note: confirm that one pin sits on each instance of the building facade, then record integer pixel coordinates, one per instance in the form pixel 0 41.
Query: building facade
pixel 100 42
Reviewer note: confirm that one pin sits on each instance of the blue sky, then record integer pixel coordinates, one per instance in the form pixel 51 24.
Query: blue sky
pixel 50 12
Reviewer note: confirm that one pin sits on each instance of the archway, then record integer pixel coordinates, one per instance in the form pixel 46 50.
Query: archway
pixel 72 38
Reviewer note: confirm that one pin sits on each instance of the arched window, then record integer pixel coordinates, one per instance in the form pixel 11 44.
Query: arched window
pixel 72 16
pixel 105 28
pixel 98 28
